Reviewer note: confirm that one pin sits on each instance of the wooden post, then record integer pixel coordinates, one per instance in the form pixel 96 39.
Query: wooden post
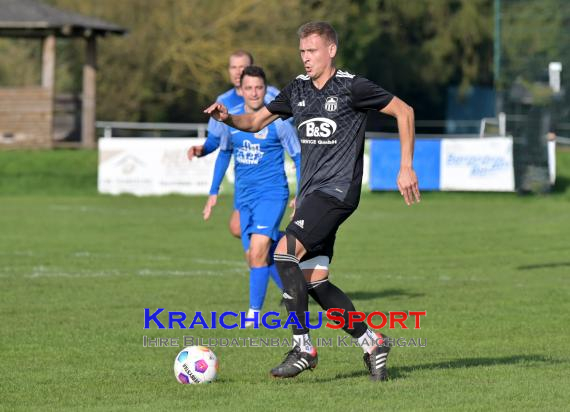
pixel 88 109
pixel 48 82
pixel 48 62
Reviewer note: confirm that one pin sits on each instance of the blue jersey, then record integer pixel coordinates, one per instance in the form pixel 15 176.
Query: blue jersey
pixel 230 99
pixel 259 158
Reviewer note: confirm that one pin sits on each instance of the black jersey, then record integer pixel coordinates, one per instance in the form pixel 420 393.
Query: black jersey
pixel 330 123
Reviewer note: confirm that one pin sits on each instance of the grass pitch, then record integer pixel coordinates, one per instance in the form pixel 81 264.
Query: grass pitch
pixel 77 270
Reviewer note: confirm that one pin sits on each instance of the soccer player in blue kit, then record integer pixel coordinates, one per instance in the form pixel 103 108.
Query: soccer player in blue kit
pixel 329 107
pixel 238 61
pixel 261 189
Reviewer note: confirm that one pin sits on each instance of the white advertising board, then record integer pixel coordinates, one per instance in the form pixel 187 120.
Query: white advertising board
pixel 484 164
pixel 158 166
pixel 152 166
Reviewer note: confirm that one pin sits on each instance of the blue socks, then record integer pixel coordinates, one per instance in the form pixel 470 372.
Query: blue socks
pixel 258 280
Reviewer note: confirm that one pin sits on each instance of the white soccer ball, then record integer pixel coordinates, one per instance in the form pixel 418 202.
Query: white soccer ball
pixel 195 364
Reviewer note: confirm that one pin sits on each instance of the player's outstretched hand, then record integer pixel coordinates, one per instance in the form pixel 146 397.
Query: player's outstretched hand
pixel 211 202
pixel 218 111
pixel 195 151
pixel 408 186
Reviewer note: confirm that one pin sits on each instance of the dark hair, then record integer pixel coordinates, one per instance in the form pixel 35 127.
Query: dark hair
pixel 322 28
pixel 253 71
pixel 241 53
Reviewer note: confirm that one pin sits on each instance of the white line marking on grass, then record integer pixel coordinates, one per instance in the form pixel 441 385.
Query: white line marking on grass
pixel 9 269
pixel 196 272
pixel 45 272
pixel 42 271
pixel 19 253
pixel 219 262
pixel 64 208
pixel 87 254
pixel 82 254
pixel 89 209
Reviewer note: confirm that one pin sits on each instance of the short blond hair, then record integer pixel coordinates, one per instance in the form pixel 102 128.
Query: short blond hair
pixel 322 28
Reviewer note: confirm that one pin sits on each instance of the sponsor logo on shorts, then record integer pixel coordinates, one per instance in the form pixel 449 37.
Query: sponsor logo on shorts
pixel 300 223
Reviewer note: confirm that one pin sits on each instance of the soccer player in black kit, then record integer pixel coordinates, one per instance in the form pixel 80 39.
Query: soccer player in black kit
pixel 329 108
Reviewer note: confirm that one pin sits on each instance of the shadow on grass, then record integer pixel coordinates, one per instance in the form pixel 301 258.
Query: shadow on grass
pixel 544 266
pixel 401 372
pixel 562 184
pixel 387 293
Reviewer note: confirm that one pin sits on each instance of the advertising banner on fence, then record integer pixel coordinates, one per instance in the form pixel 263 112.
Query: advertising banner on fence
pixel 447 164
pixel 149 166
pixel 158 166
pixel 385 163
pixel 477 164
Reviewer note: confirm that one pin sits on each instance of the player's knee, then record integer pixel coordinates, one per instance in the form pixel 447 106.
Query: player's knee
pixel 234 225
pixel 316 268
pixel 259 250
pixel 314 275
pixel 281 248
pixel 258 257
pixel 235 229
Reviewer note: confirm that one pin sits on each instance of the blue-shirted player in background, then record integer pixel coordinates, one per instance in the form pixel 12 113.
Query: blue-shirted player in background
pixel 239 60
pixel 261 189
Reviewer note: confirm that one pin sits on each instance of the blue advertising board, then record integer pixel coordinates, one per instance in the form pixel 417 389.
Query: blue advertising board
pixel 385 163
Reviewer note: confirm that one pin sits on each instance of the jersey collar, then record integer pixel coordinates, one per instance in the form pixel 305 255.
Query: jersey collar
pixel 326 83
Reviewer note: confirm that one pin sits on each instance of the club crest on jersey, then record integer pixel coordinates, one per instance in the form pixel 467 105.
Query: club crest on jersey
pixel 262 134
pixel 318 127
pixel 331 104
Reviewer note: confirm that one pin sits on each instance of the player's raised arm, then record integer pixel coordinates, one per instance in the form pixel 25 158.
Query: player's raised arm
pixel 250 122
pixel 407 179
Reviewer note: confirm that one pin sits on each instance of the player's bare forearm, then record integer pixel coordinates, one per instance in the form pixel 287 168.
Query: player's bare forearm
pixel 407 179
pixel 249 122
pixel 252 122
pixel 404 115
pixel 244 122
pixel 406 131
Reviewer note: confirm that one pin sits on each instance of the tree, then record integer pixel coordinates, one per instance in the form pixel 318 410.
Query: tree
pixel 173 60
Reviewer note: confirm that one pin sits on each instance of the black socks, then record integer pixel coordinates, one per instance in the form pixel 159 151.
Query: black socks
pixel 294 289
pixel 329 296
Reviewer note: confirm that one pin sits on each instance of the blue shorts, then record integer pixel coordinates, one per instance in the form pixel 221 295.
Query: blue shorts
pixel 261 217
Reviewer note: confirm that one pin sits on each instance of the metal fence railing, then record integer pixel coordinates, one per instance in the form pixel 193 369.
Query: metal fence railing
pixel 111 129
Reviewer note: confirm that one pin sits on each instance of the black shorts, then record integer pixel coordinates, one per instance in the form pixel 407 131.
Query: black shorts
pixel 316 222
